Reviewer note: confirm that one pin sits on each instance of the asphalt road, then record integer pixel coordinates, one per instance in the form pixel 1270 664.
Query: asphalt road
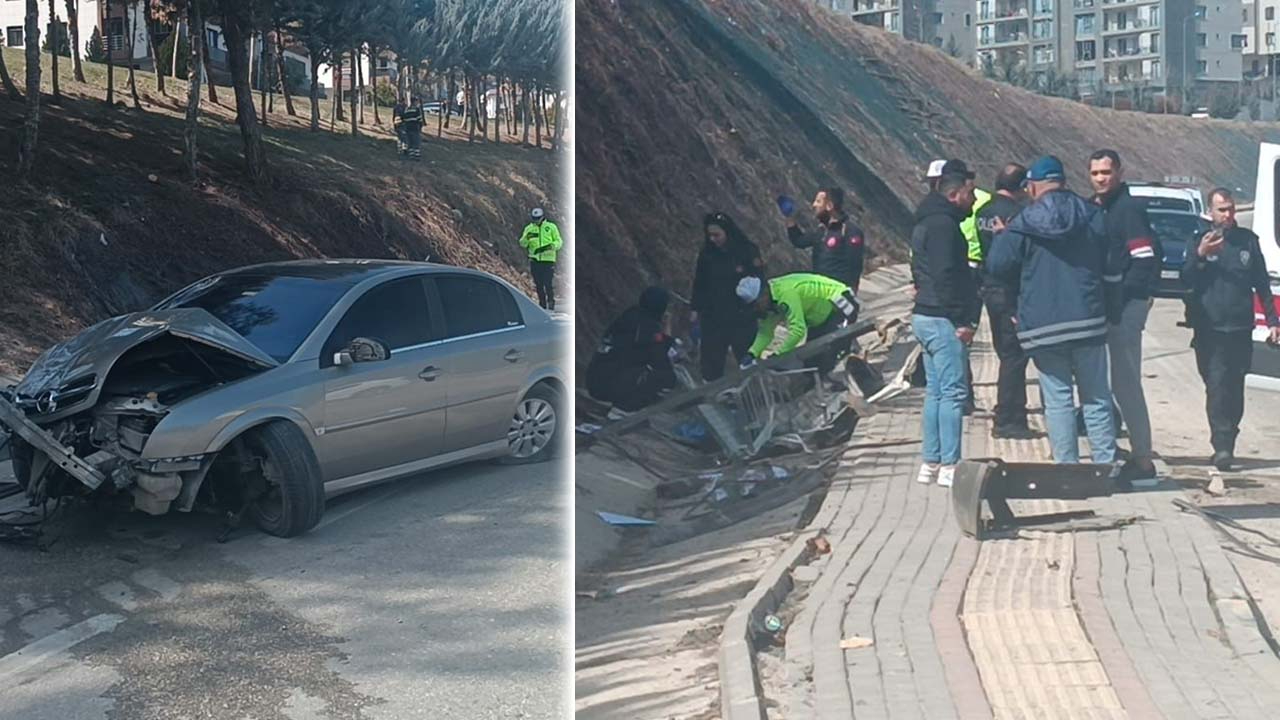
pixel 443 596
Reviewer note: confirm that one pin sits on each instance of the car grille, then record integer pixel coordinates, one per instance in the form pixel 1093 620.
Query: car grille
pixel 66 395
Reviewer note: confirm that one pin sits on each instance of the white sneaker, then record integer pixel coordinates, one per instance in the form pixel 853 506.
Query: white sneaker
pixel 617 414
pixel 947 475
pixel 928 473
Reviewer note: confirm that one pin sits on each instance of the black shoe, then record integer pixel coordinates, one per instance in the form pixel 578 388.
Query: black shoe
pixel 969 408
pixel 1134 471
pixel 1223 460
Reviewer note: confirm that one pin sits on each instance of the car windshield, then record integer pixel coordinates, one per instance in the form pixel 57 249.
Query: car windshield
pixel 1164 202
pixel 1180 227
pixel 274 312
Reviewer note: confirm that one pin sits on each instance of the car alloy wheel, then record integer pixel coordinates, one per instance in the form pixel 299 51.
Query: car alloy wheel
pixel 532 427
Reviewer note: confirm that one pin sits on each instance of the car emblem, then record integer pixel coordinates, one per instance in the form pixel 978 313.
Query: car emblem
pixel 47 402
pixel 1244 257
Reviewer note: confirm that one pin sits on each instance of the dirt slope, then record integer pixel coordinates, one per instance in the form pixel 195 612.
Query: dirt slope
pixel 691 105
pixel 93 236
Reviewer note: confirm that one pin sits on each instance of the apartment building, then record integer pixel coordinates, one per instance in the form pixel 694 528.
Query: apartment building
pixel 1260 55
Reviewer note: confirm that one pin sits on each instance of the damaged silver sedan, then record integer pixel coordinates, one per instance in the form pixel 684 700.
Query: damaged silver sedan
pixel 261 391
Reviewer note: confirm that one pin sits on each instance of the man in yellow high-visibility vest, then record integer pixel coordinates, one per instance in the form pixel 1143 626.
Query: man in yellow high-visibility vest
pixel 541 238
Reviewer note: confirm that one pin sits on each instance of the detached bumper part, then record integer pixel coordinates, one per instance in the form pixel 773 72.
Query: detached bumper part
pixel 996 482
pixel 17 422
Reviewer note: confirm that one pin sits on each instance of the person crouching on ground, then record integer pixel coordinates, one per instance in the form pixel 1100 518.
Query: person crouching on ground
pixel 724 322
pixel 811 306
pixel 1056 251
pixel 632 365
pixel 944 319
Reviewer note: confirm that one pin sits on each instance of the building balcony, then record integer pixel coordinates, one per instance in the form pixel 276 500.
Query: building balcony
pixel 1006 16
pixel 1130 28
pixel 1086 62
pixel 1004 41
pixel 871 8
pixel 1126 3
pixel 1140 53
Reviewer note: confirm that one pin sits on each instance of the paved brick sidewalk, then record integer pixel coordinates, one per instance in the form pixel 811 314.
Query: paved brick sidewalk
pixel 1146 621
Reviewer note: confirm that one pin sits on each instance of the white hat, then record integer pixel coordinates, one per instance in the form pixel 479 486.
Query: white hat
pixel 536 214
pixel 935 169
pixel 749 289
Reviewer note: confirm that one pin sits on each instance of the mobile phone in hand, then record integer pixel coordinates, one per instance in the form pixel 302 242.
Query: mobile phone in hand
pixel 786 205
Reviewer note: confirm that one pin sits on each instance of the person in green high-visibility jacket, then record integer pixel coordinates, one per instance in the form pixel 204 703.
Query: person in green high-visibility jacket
pixel 810 305
pixel 969 227
pixel 541 238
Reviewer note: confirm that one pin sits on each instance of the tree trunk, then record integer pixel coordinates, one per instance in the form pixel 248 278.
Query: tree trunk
pixel 238 59
pixel 281 67
pixel 537 115
pixel 482 104
pixel 315 89
pixel 9 87
pixel 195 70
pixel 497 111
pixel 357 56
pixel 355 92
pixel 511 107
pixel 471 108
pixel 73 28
pixel 132 28
pixel 155 49
pixel 53 53
pixel 337 87
pixel 562 115
pixel 524 110
pixel 264 71
pixel 442 119
pixel 173 56
pixel 208 69
pixel 373 70
pixel 31 122
pixel 111 65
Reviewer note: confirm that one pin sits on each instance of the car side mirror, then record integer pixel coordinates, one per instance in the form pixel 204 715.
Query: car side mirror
pixel 363 349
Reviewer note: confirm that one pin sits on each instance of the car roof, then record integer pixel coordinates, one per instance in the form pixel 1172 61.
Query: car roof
pixel 348 271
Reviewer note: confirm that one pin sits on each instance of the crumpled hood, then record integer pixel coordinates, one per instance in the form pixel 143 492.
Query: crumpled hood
pixel 94 351
pixel 1055 216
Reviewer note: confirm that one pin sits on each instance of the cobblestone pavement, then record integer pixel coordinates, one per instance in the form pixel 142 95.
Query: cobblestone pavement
pixel 1148 620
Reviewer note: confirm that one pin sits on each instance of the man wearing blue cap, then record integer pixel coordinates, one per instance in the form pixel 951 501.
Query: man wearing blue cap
pixel 1055 251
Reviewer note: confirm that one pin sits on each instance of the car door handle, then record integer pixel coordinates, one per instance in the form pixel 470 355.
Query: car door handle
pixel 429 373
pixel 513 356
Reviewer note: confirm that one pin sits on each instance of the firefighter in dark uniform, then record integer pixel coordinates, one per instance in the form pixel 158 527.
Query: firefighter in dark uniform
pixel 838 245
pixel 1222 274
pixel 397 121
pixel 411 121
pixel 632 365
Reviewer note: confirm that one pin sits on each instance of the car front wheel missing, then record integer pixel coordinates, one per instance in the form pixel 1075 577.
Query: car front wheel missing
pixel 285 487
pixel 536 426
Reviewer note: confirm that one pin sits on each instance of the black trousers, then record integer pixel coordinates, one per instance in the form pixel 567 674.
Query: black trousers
pixel 1223 359
pixel 719 336
pixel 544 280
pixel 1011 386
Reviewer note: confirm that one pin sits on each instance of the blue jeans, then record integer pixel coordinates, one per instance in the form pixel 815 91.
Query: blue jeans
pixel 945 366
pixel 1062 370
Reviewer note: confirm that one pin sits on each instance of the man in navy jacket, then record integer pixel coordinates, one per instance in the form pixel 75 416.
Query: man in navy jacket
pixel 1055 251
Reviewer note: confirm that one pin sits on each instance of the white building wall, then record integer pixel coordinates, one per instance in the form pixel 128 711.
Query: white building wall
pixel 13 13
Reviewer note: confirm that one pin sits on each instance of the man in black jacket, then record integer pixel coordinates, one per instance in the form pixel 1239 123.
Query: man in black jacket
pixel 632 365
pixel 1001 299
pixel 838 244
pixel 1135 253
pixel 944 319
pixel 1222 274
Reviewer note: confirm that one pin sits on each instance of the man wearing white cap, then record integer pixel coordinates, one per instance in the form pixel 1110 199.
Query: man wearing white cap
pixel 541 238
pixel 811 306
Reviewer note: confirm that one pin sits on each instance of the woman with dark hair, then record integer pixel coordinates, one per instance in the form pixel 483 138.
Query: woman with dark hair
pixel 726 323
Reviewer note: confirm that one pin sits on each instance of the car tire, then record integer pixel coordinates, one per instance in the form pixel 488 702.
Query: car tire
pixel 299 483
pixel 541 443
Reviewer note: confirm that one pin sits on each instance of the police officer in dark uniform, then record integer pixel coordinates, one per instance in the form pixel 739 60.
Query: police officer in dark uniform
pixel 1001 300
pixel 1222 274
pixel 412 123
pixel 397 121
pixel 838 245
pixel 632 365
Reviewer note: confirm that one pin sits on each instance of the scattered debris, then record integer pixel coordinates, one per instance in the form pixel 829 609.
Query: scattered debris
pixel 1052 564
pixel 623 520
pixel 806 574
pixel 152 177
pixel 588 428
pixel 1217 486
pixel 694 432
pixel 773 623
pixel 856 643
pixel 819 546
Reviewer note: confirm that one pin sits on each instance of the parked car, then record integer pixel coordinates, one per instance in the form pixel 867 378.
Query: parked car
pixel 1175 231
pixel 1160 196
pixel 262 390
pixel 1264 370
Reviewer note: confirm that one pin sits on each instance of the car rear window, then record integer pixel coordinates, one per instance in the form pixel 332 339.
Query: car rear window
pixel 275 313
pixel 1168 203
pixel 474 305
pixel 1182 227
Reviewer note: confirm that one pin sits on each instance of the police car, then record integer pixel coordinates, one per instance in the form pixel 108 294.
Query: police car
pixel 1265 371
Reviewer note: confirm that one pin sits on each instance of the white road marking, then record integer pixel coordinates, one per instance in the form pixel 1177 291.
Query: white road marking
pixel 48 647
pixel 119 594
pixel 153 580
pixel 629 481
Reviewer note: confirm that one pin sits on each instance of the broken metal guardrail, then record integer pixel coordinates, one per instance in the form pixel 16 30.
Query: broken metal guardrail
pixel 700 395
pixel 997 481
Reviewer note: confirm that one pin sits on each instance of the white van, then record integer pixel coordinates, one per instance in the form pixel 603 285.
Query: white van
pixel 1169 197
pixel 1264 372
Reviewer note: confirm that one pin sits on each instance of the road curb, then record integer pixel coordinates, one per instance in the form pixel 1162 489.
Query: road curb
pixel 740 694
